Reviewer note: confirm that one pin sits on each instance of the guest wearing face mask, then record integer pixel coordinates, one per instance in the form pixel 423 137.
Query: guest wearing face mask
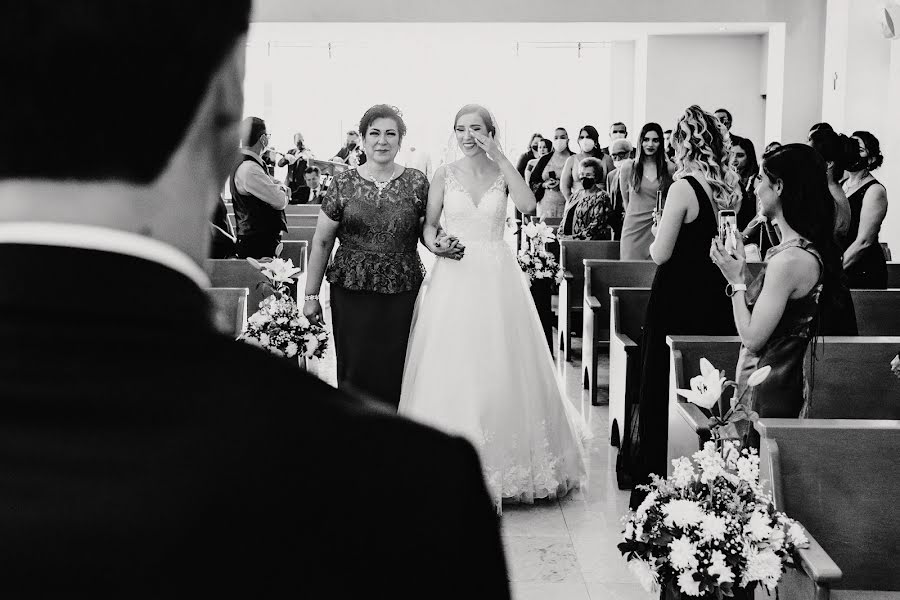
pixel 864 260
pixel 545 177
pixel 620 151
pixel 532 153
pixel 617 131
pixel 544 148
pixel 587 213
pixel 589 146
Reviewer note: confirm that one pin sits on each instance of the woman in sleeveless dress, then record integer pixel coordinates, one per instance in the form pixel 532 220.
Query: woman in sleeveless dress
pixel 477 363
pixel 864 260
pixel 777 314
pixel 642 178
pixel 688 293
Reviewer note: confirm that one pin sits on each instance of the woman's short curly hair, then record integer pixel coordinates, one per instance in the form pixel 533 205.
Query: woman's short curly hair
pixel 382 111
pixel 592 162
pixel 876 158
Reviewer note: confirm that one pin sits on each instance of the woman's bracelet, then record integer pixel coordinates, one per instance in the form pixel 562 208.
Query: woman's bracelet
pixel 309 297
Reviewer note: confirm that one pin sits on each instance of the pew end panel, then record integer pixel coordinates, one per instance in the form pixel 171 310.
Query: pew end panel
pixel 628 307
pixel 893 271
pixel 238 273
pixel 877 311
pixel 571 291
pixel 590 345
pixel 229 307
pixel 830 475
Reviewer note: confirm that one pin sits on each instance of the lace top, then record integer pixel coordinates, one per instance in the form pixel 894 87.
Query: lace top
pixel 474 220
pixel 378 232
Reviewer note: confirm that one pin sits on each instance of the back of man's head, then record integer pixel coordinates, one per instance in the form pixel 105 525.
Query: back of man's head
pixel 83 72
pixel 252 128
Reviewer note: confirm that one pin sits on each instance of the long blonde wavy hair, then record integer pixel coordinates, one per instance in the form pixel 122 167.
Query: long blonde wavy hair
pixel 702 144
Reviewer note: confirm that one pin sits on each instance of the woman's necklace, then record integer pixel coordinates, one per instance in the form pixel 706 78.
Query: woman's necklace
pixel 382 185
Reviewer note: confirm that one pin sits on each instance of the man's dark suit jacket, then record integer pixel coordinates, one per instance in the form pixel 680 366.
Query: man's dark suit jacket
pixel 301 196
pixel 143 455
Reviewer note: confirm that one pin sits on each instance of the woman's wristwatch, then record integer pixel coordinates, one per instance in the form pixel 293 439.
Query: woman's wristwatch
pixel 309 297
pixel 733 288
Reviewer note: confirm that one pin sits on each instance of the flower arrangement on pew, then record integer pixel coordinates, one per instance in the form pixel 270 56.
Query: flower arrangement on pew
pixel 534 260
pixel 710 531
pixel 708 391
pixel 278 325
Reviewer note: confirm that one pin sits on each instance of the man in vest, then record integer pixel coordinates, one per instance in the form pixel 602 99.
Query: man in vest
pixel 259 200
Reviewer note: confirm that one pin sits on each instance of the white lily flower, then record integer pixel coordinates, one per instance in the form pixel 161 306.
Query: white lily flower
pixel 280 270
pixel 706 388
pixel 758 376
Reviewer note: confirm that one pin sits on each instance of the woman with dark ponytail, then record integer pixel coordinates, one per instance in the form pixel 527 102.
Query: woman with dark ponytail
pixel 777 314
pixel 864 259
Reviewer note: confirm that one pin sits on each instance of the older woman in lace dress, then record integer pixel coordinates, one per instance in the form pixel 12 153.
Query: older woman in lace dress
pixel 376 211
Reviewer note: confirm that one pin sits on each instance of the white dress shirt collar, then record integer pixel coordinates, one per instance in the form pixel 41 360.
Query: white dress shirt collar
pixel 103 239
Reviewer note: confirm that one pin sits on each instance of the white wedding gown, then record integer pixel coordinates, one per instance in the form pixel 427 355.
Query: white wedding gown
pixel 477 364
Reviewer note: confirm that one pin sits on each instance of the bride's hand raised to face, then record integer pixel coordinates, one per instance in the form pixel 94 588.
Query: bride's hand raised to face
pixel 490 146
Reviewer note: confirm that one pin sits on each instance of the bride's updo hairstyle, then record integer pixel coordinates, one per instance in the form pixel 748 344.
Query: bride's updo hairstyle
pixel 482 112
pixel 701 142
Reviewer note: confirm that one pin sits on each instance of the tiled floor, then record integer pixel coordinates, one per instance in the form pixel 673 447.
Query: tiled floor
pixel 564 549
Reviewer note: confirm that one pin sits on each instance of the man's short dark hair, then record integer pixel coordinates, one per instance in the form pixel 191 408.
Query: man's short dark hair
pixel 253 129
pixel 667 131
pixel 727 112
pixel 310 170
pixel 618 124
pixel 86 71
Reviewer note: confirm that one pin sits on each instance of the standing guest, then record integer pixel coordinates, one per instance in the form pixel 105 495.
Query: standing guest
pixel 589 147
pixel 670 151
pixel 222 242
pixel 864 260
pixel 587 214
pixel 620 151
pixel 839 152
pixel 641 179
pixel 131 467
pixel 532 153
pixel 545 181
pixel 743 159
pixel 724 115
pixel 297 160
pixel 687 294
pixel 313 191
pixel 352 153
pixel 771 146
pixel 617 131
pixel 258 199
pixel 819 127
pixel 776 313
pixel 376 212
pixel 545 149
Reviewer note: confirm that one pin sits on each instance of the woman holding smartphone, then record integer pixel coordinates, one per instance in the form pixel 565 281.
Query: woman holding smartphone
pixel 777 313
pixel 688 294
pixel 544 179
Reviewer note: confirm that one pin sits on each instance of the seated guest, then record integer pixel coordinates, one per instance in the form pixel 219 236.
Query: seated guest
pixel 222 243
pixel 258 199
pixel 352 153
pixel 131 467
pixel 776 314
pixel 313 191
pixel 586 216
pixel 864 260
pixel 297 160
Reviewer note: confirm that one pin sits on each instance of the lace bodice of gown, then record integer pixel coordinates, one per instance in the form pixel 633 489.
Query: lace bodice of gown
pixel 474 220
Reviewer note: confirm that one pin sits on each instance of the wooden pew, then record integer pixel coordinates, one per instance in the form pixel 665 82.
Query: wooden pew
pixel 852 380
pixel 229 309
pixel 299 233
pixel 238 273
pixel 877 311
pixel 599 276
pixel 838 479
pixel 627 309
pixel 290 209
pixel 893 271
pixel 571 290
pixel 302 220
pixel 297 251
pixel 552 221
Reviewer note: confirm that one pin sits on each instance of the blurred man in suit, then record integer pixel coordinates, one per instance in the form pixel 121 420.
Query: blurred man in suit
pixel 144 455
pixel 313 192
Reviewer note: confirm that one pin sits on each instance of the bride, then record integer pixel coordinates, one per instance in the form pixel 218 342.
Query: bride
pixel 477 363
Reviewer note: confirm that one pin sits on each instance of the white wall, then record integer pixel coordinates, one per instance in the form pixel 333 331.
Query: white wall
pixel 861 90
pixel 710 70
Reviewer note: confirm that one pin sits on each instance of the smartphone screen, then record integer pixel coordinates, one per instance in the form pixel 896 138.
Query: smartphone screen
pixel 728 229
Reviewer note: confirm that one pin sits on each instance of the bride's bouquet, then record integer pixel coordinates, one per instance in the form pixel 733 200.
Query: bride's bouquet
pixel 710 531
pixel 534 260
pixel 278 325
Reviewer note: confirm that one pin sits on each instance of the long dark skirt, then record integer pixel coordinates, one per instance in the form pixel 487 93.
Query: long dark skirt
pixel 371 331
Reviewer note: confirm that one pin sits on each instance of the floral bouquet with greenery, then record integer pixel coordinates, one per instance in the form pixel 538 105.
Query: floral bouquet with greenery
pixel 534 260
pixel 278 325
pixel 709 531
